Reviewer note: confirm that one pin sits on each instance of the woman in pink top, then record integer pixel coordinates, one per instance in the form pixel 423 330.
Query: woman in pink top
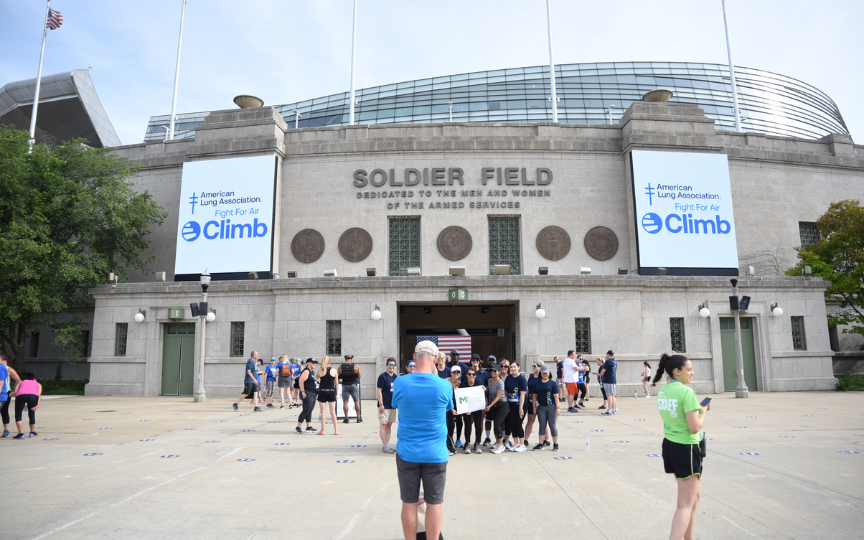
pixel 29 393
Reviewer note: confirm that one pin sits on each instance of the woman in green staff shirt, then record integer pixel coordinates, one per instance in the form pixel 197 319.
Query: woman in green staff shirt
pixel 683 419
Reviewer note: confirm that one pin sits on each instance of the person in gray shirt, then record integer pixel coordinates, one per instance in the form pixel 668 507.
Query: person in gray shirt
pixel 497 409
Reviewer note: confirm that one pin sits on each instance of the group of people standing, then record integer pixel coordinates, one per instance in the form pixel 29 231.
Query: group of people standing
pixel 27 394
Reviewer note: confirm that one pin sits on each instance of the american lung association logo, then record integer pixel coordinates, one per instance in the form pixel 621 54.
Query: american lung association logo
pixel 190 231
pixel 652 223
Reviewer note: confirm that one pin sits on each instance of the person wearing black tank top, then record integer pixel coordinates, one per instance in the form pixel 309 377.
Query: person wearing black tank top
pixel 327 390
pixel 308 393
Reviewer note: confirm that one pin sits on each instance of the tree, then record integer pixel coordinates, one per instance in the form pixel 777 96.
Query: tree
pixel 68 218
pixel 838 257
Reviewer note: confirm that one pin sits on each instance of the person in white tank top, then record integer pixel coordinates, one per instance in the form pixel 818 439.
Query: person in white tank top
pixel 646 377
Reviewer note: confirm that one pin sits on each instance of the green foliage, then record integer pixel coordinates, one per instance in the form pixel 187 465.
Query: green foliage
pixel 63 388
pixel 850 382
pixel 68 217
pixel 838 257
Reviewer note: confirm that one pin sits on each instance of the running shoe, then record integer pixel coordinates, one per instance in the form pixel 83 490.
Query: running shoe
pixel 345 421
pixel 495 446
pixel 546 443
pixel 236 408
pixel 478 450
pixel 555 448
pixel 581 405
pixel 602 407
pixel 647 396
pixel 539 446
pixel 19 436
pixel 34 434
pixel 509 445
pixel 359 420
pixel 310 429
pixel 256 409
pixel 498 450
pixel 467 449
pixel 281 406
pixel 298 430
pixel 614 411
pixel 606 413
pixel 388 450
pixel 5 432
pixel 520 448
pixel 452 452
pixel 270 406
pixel 458 443
pixel 571 409
pixel 487 442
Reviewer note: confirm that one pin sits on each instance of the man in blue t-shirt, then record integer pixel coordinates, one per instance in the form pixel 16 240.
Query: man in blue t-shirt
pixel 386 412
pixel 609 382
pixel 421 454
pixel 250 382
pixel 271 371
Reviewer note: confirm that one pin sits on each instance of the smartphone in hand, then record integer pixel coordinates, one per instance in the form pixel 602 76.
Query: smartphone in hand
pixel 705 401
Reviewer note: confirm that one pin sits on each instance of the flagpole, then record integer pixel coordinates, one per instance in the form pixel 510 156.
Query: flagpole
pixel 551 64
pixel 39 79
pixel 353 46
pixel 177 74
pixel 731 72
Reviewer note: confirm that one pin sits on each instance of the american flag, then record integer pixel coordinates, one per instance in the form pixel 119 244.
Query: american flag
pixel 55 19
pixel 447 343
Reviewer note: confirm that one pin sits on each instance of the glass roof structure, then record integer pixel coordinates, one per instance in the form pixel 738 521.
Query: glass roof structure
pixel 770 103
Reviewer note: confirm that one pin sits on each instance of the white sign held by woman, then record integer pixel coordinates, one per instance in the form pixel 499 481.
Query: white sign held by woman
pixel 470 399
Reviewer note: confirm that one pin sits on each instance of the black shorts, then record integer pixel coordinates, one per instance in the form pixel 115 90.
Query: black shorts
pixel 326 396
pixel 682 460
pixel 250 388
pixel 297 383
pixel 434 476
pixel 528 406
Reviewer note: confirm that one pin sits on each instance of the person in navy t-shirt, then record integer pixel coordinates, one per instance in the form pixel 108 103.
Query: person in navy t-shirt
pixel 386 412
pixel 250 382
pixel 421 453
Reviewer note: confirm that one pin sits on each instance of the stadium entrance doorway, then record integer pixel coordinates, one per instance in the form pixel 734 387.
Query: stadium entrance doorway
pixel 484 329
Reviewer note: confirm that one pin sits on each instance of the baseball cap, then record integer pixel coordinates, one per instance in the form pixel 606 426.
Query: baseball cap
pixel 312 360
pixel 491 357
pixel 426 347
pixel 272 358
pixel 545 369
pixel 456 368
pixel 475 357
pixel 610 353
pixel 495 367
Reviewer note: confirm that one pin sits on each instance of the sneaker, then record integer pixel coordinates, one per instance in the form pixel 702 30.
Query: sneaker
pixel 614 411
pixel 546 443
pixel 509 445
pixel 458 443
pixel 298 430
pixel 452 452
pixel 256 409
pixel 581 405
pixel 388 450
pixel 555 447
pixel 572 409
pixel 602 407
pixel 236 408
pixel 271 406
pixel 359 420
pixel 606 413
pixel 647 396
pixel 538 447
pixel 19 436
pixel 34 434
pixel 5 432
pixel 345 421
pixel 478 450
pixel 281 406
pixel 310 429
pixel 498 450
pixel 467 449
pixel 520 448
pixel 495 446
pixel 487 442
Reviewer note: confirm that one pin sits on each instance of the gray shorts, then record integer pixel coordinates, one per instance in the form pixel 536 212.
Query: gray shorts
pixel 350 390
pixel 284 382
pixel 609 388
pixel 433 475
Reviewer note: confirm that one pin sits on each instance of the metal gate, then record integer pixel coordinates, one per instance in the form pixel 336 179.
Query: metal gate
pixel 178 359
pixel 727 343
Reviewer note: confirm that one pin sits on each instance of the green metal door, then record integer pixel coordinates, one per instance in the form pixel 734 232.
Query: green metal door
pixel 178 359
pixel 727 343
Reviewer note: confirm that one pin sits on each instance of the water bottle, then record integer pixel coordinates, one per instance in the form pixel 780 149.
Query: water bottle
pixel 635 394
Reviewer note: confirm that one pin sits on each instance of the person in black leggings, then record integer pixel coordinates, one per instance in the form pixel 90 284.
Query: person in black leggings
pixel 474 418
pixel 454 380
pixel 497 409
pixel 602 390
pixel 308 393
pixel 11 375
pixel 28 393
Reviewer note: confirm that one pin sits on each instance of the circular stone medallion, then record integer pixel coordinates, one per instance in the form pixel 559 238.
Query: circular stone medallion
pixel 355 245
pixel 553 243
pixel 307 246
pixel 601 243
pixel 454 243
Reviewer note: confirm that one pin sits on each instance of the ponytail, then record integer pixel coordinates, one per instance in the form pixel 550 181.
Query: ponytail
pixel 668 364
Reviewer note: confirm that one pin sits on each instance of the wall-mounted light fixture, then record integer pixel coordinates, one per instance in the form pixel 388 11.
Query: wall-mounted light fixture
pixel 456 270
pixel 160 276
pixel 704 311
pixel 139 317
pixel 376 313
pixel 543 271
pixel 776 310
pixel 584 271
pixel 211 316
pixel 502 270
pixel 807 271
pixel 330 273
pixel 415 271
pixel 540 313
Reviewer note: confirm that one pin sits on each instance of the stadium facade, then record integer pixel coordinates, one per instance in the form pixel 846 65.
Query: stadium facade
pixel 770 103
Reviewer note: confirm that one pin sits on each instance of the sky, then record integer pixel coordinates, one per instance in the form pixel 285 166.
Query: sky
pixel 291 50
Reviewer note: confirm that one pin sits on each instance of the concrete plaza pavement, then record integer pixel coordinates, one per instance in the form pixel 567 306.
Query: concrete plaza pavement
pixel 780 465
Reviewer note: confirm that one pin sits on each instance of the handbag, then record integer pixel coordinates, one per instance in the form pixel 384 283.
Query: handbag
pixel 702 444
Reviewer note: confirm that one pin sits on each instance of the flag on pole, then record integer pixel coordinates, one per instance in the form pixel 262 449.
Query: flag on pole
pixel 447 343
pixel 55 19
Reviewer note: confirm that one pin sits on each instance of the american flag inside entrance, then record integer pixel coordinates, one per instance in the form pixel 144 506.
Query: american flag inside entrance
pixel 447 343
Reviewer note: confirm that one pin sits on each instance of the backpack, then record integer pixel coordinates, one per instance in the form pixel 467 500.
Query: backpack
pixel 286 370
